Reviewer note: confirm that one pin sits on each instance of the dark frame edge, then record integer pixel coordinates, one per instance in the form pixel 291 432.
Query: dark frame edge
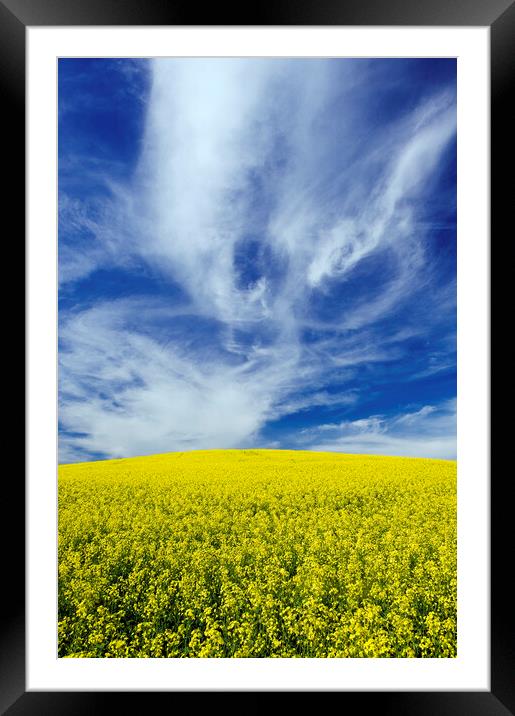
pixel 12 91
pixel 281 12
pixel 502 59
pixel 479 703
pixel 501 700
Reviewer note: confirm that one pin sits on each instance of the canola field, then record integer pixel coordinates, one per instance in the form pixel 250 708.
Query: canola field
pixel 257 553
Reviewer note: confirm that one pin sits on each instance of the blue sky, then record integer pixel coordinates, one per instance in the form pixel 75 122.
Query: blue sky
pixel 257 253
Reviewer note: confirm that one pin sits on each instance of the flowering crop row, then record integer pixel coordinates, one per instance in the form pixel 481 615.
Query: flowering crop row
pixel 257 553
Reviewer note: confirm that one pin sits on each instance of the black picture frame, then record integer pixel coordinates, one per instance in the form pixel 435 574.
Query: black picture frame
pixel 499 16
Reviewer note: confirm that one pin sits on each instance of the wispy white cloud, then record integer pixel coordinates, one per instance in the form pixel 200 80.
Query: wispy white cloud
pixel 427 432
pixel 295 404
pixel 218 133
pixel 125 393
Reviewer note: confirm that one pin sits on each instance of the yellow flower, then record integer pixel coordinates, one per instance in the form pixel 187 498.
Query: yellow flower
pixel 234 553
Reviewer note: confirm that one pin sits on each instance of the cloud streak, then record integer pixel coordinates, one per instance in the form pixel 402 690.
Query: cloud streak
pixel 290 235
pixel 428 432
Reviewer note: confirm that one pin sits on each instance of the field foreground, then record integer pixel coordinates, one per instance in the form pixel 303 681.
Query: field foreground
pixel 257 553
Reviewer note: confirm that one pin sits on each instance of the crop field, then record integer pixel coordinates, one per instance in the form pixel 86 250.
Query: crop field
pixel 257 553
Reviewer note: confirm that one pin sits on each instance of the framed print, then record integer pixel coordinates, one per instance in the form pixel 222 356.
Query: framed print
pixel 265 260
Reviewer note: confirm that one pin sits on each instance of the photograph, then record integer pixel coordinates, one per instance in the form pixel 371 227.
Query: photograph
pixel 258 252
pixel 257 364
